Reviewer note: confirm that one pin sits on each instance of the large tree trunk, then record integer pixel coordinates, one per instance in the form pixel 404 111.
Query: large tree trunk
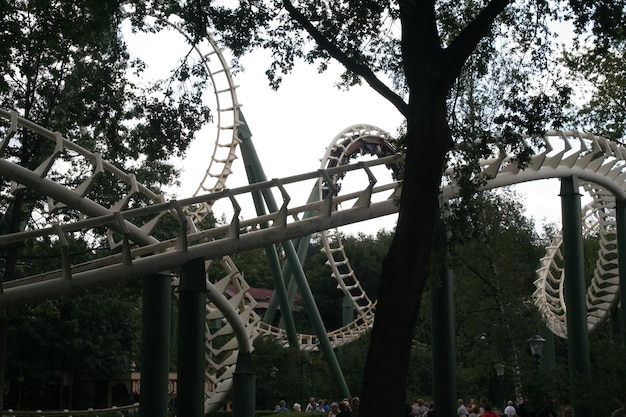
pixel 430 72
pixel 406 265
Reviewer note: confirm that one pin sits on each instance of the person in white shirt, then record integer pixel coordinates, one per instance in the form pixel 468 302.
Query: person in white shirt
pixel 312 406
pixel 462 410
pixel 510 410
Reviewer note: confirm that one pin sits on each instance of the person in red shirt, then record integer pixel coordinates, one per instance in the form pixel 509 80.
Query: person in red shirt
pixel 489 411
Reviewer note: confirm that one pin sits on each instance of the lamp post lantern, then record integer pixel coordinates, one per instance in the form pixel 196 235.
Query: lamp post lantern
pixel 536 346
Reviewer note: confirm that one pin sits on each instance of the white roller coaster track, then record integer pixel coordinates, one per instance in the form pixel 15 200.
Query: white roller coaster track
pixel 601 166
pixel 593 159
pixel 602 294
pixel 142 254
pixel 220 365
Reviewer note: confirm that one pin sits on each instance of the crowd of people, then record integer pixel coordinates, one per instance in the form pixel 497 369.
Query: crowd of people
pixel 484 408
pixel 419 408
pixel 522 409
pixel 511 409
pixel 348 407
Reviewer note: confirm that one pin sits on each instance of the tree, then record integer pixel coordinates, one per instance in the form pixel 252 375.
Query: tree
pixel 428 67
pixel 414 53
pixel 494 255
pixel 65 67
pixel 424 48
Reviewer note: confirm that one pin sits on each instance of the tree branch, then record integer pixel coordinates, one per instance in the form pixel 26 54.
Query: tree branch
pixel 465 43
pixel 350 64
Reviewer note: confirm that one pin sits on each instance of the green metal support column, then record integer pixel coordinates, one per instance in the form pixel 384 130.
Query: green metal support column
pixel 575 289
pixel 303 244
pixel 347 311
pixel 255 174
pixel 444 353
pixel 548 355
pixel 244 398
pixel 191 339
pixel 253 166
pixel 155 348
pixel 620 216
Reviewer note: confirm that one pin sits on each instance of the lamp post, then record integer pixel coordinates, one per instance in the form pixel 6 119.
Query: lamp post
pixel 273 371
pixel 20 379
pixel 499 367
pixel 536 346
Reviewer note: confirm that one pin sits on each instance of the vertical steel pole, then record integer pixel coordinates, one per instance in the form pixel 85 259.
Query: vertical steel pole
pixel 191 339
pixel 155 345
pixel 255 174
pixel 299 277
pixel 548 355
pixel 347 310
pixel 575 289
pixel 443 341
pixel 620 216
pixel 244 380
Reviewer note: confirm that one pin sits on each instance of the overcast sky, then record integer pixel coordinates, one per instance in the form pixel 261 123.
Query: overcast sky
pixel 293 126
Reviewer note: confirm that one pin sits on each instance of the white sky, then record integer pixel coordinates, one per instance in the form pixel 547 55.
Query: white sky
pixel 293 126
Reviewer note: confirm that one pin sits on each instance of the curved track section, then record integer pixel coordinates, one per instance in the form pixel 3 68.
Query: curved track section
pixel 593 159
pixel 601 166
pixel 221 343
pixel 602 294
pixel 353 142
pixel 219 366
pixel 139 253
pixel 358 141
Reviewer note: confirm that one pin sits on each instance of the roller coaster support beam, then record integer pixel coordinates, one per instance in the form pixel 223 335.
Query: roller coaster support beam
pixel 303 244
pixel 442 334
pixel 347 311
pixel 255 174
pixel 191 340
pixel 155 345
pixel 251 160
pixel 620 217
pixel 575 289
pixel 244 381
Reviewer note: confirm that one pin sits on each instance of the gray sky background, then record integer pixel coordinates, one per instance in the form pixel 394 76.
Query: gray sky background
pixel 293 126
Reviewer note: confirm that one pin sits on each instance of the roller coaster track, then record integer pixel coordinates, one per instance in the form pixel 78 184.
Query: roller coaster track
pixel 602 295
pixel 133 251
pixel 596 160
pixel 600 164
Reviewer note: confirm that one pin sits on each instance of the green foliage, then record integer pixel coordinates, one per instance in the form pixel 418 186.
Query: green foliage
pixel 596 64
pixel 94 333
pixel 300 375
pixel 601 19
pixel 600 75
pixel 65 66
pixel 494 256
